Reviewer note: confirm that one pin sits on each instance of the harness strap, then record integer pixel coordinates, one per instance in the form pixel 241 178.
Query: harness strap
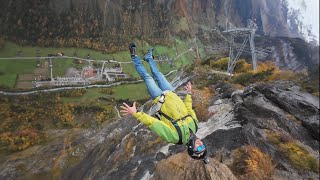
pixel 175 124
pixel 195 124
pixel 159 104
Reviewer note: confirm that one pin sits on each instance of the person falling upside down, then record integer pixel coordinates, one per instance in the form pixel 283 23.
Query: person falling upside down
pixel 175 121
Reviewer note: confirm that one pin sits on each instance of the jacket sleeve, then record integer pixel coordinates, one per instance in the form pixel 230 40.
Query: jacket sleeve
pixel 159 127
pixel 145 118
pixel 188 104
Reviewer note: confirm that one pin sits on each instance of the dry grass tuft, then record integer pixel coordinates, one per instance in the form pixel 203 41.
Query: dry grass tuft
pixel 251 163
pixel 259 164
pixel 297 155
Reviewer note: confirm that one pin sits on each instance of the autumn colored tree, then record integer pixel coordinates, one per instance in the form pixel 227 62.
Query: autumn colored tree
pixel 21 140
pixel 105 115
pixel 107 91
pixel 64 114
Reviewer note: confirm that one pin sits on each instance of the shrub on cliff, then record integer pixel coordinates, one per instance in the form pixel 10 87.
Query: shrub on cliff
pixel 105 115
pixel 249 78
pixel 251 163
pixel 266 71
pixel 221 64
pixel 297 155
pixel 242 66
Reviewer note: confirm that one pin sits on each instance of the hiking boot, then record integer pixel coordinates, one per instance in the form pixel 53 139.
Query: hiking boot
pixel 133 49
pixel 149 55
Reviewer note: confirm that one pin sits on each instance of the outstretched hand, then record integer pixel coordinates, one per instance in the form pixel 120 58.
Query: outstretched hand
pixel 188 87
pixel 127 110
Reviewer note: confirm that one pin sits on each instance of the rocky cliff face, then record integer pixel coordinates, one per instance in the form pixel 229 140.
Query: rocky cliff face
pixel 109 24
pixel 274 123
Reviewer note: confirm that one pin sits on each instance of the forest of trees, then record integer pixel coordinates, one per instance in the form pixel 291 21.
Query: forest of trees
pixel 38 24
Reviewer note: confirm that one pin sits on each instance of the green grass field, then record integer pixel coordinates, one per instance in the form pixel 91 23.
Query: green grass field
pixel 128 91
pixel 131 91
pixel 8 80
pixel 60 65
pixel 9 69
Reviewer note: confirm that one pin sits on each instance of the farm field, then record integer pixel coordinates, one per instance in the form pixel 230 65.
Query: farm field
pixel 19 73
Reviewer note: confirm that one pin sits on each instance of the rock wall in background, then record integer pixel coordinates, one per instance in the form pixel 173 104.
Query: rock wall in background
pixel 109 24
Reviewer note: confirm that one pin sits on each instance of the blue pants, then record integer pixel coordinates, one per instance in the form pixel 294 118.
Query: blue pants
pixel 153 89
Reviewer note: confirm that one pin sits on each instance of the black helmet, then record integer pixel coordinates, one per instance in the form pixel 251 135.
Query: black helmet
pixel 195 154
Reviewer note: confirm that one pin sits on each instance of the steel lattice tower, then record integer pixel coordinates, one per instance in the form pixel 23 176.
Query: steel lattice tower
pixel 235 49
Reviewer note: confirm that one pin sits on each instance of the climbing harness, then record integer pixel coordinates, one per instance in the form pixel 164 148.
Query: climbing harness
pixel 159 113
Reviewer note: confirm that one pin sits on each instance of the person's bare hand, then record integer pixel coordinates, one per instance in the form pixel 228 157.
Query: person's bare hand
pixel 189 87
pixel 127 110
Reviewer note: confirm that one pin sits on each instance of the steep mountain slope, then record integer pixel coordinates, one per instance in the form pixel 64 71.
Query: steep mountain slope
pixel 275 126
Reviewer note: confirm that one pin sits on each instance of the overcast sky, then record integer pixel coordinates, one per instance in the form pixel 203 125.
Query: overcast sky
pixel 309 10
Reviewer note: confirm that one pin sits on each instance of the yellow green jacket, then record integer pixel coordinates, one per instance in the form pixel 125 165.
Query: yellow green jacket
pixel 174 107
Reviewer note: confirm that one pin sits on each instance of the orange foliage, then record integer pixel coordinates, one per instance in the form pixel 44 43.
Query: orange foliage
pixel 277 74
pixel 266 71
pixel 106 114
pixel 21 140
pixel 64 113
pixel 259 165
pixel 265 66
pixel 220 64
pixel 242 66
pixel 251 163
pixel 282 75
